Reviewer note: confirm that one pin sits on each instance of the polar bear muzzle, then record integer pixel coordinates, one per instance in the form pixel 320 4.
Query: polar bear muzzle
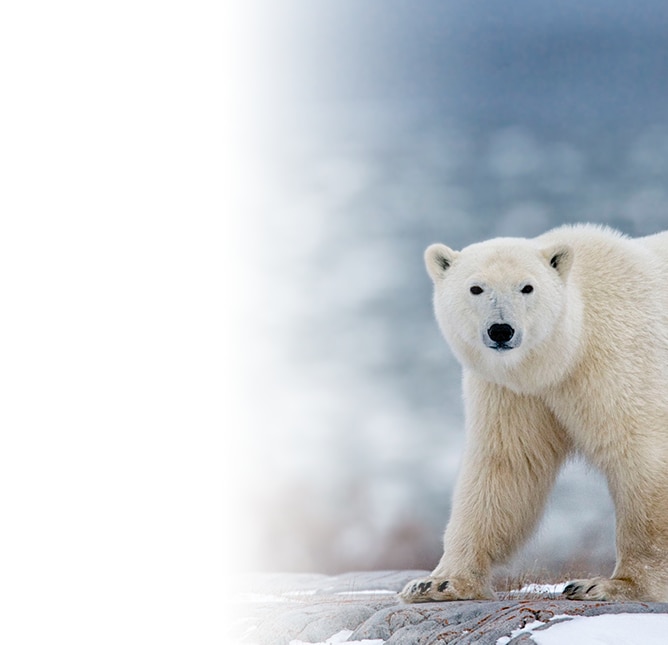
pixel 500 335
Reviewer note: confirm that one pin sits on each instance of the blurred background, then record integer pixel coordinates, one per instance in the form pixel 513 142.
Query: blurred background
pixel 378 128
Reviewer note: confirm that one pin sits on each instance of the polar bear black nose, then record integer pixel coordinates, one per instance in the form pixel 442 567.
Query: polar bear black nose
pixel 500 333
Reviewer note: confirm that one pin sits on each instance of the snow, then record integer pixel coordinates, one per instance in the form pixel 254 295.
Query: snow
pixel 341 637
pixel 527 629
pixel 538 588
pixel 367 592
pixel 293 596
pixel 611 629
pixel 607 629
pixel 252 597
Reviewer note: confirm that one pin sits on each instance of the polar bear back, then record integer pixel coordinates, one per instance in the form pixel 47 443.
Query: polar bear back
pixel 658 244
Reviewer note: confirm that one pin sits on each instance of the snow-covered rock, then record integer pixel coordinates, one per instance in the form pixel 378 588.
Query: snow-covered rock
pixel 363 608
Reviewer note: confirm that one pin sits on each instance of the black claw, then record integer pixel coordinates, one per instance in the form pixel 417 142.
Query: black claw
pixel 443 586
pixel 590 588
pixel 570 589
pixel 424 587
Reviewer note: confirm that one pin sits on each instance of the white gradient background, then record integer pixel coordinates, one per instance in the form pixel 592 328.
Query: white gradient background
pixel 119 286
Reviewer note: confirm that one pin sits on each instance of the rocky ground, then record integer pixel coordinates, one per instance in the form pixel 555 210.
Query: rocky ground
pixel 280 609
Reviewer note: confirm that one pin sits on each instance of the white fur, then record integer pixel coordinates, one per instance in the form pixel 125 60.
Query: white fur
pixel 586 370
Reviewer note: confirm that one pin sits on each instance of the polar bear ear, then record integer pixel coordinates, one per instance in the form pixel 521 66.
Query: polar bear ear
pixel 560 258
pixel 439 258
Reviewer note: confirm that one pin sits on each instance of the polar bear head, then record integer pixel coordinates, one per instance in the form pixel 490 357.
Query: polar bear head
pixel 498 301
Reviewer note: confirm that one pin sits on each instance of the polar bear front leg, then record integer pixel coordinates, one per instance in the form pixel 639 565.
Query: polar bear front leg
pixel 514 451
pixel 639 487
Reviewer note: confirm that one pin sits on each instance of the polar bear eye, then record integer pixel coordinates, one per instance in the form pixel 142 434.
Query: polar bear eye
pixel 527 289
pixel 476 290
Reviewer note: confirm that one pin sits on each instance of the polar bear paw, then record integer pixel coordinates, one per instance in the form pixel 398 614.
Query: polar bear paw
pixel 601 589
pixel 435 589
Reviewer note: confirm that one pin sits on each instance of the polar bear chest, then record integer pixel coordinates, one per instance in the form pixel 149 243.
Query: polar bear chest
pixel 604 421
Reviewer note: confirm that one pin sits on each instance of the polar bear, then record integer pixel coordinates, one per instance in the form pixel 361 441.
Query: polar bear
pixel 563 340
